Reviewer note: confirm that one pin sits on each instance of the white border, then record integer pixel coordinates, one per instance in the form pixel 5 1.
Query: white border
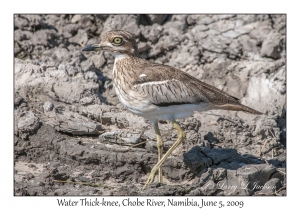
pixel 153 6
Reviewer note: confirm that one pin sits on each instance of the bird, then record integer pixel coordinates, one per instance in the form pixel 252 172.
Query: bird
pixel 159 92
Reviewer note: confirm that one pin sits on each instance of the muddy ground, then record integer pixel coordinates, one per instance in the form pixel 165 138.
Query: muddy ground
pixel 73 137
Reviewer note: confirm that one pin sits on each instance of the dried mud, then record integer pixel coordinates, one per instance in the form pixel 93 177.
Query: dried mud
pixel 73 137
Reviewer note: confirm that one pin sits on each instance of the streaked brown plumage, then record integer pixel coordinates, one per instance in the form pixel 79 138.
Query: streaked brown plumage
pixel 157 91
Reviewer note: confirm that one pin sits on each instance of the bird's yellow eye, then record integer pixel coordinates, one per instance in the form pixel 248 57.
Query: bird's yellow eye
pixel 117 40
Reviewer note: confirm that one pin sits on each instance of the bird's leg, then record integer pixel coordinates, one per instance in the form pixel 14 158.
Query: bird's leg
pixel 181 136
pixel 159 145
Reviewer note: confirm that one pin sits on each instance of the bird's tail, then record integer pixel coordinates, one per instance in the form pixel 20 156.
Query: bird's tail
pixel 238 107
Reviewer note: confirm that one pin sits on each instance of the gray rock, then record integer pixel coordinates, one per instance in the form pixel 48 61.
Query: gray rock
pixel 22 35
pixel 17 100
pixel 219 174
pixel 179 25
pixel 48 106
pixel 124 22
pixel 120 137
pixel 199 19
pixel 80 38
pixel 86 100
pixel 210 138
pixel 223 25
pixel 27 124
pixel 143 47
pixel 271 46
pixel 76 18
pixel 196 160
pixel 152 33
pixel 199 32
pixel 87 65
pixel 90 75
pixel 209 188
pixel 219 155
pixel 20 22
pixel 110 135
pixel 70 92
pixel 45 37
pixel 62 54
pixel 248 44
pixel 98 60
pixel 72 70
pixel 231 34
pixel 150 134
pixel 80 127
pixel 247 179
pixel 159 18
pixel 131 138
pixel 269 187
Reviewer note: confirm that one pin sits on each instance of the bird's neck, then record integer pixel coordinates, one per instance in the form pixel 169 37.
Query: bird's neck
pixel 124 70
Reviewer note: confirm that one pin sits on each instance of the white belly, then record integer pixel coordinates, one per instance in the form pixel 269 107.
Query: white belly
pixel 153 113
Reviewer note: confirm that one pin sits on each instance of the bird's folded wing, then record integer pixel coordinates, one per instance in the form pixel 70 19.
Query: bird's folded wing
pixel 164 86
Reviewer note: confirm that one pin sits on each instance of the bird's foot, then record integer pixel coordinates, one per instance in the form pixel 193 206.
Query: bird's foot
pixel 151 177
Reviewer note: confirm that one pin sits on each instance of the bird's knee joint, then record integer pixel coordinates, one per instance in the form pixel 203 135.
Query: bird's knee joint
pixel 159 144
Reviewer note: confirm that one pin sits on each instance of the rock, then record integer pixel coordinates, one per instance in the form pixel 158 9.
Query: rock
pixel 62 54
pixel 219 174
pixel 69 92
pixel 179 25
pixel 199 19
pixel 231 34
pixel 198 32
pixel 159 19
pixel 17 100
pixel 120 137
pixel 76 18
pixel 152 33
pixel 98 60
pixel 210 138
pixel 48 106
pixel 72 70
pixel 80 38
pixel 271 46
pixel 22 35
pixel 20 22
pixel 269 187
pixel 27 124
pixel 223 25
pixel 219 155
pixel 90 75
pixel 79 127
pixel 131 138
pixel 109 135
pixel 45 37
pixel 143 47
pixel 87 65
pixel 124 22
pixel 150 134
pixel 196 160
pixel 210 188
pixel 247 179
pixel 86 100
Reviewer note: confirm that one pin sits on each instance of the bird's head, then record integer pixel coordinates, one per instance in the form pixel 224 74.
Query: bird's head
pixel 118 41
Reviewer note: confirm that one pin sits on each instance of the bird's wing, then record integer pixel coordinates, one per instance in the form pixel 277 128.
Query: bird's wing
pixel 165 85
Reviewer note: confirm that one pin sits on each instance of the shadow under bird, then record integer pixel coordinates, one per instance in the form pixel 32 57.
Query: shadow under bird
pixel 159 92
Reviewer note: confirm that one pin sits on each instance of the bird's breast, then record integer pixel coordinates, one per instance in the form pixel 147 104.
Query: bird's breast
pixel 131 98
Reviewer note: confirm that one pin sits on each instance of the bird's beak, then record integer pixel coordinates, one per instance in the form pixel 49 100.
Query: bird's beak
pixel 93 47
